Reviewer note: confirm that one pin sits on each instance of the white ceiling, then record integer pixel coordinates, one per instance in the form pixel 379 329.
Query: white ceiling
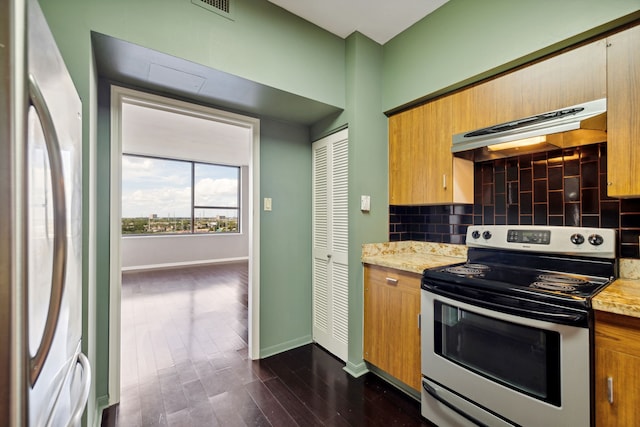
pixel 154 132
pixel 380 20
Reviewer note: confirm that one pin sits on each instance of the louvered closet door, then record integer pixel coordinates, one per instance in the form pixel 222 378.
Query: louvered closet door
pixel 330 243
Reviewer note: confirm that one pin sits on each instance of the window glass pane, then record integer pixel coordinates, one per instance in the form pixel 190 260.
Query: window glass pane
pixel 156 195
pixel 216 186
pixel 209 220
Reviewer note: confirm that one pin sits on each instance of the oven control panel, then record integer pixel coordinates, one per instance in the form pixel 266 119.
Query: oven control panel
pixel 542 237
pixel 596 242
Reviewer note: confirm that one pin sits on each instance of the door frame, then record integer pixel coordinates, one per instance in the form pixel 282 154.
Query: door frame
pixel 118 96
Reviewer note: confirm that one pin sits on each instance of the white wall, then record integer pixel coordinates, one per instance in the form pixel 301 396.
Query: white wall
pixel 140 252
pixel 167 251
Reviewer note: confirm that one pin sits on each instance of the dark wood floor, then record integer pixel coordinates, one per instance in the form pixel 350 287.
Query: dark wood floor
pixel 184 363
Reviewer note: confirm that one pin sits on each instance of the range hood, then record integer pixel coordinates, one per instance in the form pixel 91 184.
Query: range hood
pixel 568 127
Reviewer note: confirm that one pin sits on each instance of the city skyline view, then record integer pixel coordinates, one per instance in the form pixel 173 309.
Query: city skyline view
pixel 163 188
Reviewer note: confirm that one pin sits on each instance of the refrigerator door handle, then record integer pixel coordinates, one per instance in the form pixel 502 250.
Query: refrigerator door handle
pixel 78 409
pixel 59 229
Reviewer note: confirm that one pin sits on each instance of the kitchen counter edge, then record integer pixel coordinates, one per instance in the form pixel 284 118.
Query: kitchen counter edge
pixel 412 256
pixel 623 295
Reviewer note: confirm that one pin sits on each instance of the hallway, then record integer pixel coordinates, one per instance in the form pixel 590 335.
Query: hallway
pixel 184 363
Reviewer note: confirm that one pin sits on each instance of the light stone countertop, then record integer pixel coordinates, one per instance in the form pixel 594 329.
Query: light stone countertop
pixel 620 297
pixel 413 256
pixel 623 295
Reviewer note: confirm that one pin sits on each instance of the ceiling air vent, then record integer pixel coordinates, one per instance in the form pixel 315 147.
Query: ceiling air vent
pixel 221 7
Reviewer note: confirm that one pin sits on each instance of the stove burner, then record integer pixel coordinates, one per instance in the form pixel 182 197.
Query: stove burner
pixel 551 286
pixel 562 279
pixel 468 269
pixel 558 282
pixel 477 266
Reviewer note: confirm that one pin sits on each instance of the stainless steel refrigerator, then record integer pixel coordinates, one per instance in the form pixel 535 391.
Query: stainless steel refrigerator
pixel 44 377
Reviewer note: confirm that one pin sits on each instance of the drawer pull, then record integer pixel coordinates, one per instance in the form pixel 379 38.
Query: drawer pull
pixel 392 281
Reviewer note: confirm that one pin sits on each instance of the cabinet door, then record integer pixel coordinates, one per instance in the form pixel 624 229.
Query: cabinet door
pixel 617 373
pixel 406 136
pixel 623 110
pixel 464 113
pixel 391 328
pixel 422 169
pixel 570 78
pixel 447 179
pixel 437 171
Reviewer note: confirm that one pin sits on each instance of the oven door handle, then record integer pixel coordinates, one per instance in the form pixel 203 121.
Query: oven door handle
pixel 434 393
pixel 574 319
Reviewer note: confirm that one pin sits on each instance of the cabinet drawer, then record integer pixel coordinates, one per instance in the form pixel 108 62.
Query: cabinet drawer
pixel 618 333
pixel 403 280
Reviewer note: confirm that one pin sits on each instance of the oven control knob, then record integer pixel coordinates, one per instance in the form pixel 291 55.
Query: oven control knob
pixel 577 239
pixel 475 234
pixel 596 239
pixel 486 235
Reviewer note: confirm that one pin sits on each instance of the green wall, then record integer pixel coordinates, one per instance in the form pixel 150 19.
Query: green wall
pixel 263 43
pixel 467 40
pixel 367 174
pixel 368 162
pixel 285 237
pixel 99 332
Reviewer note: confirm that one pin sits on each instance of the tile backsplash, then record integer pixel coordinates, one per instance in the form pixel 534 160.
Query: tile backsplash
pixel 562 187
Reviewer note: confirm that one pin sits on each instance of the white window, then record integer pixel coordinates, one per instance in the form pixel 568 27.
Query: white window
pixel 167 196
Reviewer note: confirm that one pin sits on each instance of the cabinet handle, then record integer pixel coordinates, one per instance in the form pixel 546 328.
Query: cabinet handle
pixel 444 180
pixel 392 281
pixel 419 321
pixel 610 389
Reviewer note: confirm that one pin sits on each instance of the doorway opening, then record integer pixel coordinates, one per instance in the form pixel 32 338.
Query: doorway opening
pixel 148 126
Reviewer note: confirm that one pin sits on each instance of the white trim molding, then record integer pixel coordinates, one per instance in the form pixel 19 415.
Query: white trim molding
pixel 120 95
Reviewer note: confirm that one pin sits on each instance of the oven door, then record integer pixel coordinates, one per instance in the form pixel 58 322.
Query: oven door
pixel 485 367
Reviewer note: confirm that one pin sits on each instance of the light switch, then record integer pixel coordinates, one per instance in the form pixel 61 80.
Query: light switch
pixel 365 203
pixel 267 203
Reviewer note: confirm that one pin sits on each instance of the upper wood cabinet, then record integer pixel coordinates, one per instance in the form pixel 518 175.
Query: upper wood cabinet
pixel 617 370
pixel 406 134
pixel 422 169
pixel 623 113
pixel 570 78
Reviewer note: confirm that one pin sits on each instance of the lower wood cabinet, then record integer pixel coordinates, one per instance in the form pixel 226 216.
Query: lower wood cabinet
pixel 391 324
pixel 617 372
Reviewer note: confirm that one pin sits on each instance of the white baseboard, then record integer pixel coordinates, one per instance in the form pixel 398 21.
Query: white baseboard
pixel 183 264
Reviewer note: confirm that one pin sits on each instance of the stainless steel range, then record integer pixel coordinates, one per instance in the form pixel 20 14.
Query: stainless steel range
pixel 507 337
